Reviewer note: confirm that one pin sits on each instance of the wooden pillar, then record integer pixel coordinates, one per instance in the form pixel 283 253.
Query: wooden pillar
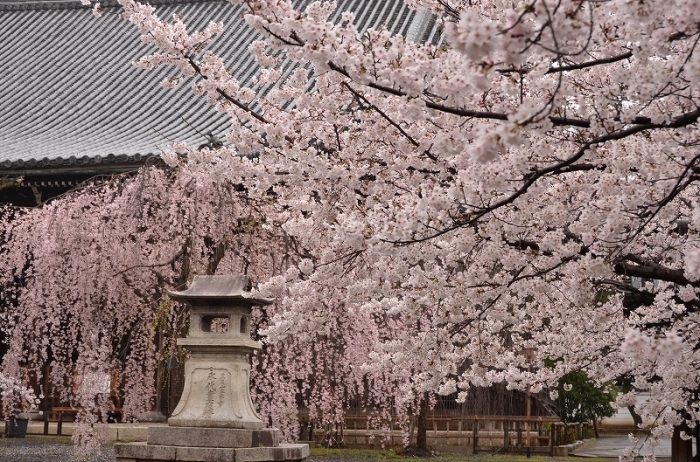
pixel 528 413
pixel 520 437
pixel 46 405
pixel 552 430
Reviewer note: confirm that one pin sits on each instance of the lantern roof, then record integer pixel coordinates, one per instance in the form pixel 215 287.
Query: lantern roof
pixel 234 288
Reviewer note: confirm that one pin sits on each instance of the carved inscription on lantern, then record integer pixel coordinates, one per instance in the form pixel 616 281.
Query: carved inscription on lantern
pixel 213 385
pixel 222 390
pixel 209 406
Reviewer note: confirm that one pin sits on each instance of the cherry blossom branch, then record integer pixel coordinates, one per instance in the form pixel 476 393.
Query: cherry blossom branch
pixel 177 255
pixel 459 327
pixel 225 95
pixel 571 67
pixel 678 122
pixel 383 114
pixel 557 121
pixel 677 188
pixel 545 271
pixel 584 65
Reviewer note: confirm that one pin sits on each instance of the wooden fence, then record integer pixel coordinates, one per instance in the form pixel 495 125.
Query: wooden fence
pixel 481 433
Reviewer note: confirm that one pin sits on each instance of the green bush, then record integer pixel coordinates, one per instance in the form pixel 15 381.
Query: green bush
pixel 580 400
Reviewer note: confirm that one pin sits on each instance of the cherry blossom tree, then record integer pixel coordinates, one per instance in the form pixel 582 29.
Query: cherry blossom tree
pixel 84 280
pixel 522 191
pixel 83 284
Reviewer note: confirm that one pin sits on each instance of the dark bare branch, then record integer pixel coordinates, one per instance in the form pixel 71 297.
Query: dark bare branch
pixel 652 271
pixel 174 258
pixel 226 96
pixel 595 62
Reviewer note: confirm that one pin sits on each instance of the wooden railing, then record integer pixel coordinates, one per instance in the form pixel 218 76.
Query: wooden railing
pixel 492 433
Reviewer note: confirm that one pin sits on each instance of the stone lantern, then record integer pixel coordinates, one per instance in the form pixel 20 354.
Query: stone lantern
pixel 217 374
pixel 215 418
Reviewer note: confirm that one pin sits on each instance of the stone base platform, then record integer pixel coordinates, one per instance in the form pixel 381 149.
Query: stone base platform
pixel 166 444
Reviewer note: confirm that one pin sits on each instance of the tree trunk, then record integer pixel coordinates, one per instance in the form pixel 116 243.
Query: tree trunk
pixel 681 450
pixel 636 418
pixel 595 426
pixel 422 431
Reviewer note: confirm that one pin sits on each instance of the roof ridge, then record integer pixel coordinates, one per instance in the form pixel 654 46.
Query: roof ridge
pixel 70 161
pixel 20 5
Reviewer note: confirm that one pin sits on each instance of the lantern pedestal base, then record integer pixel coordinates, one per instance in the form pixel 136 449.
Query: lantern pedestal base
pixel 196 444
pixel 217 386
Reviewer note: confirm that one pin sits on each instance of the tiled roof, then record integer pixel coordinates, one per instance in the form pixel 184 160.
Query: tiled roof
pixel 70 97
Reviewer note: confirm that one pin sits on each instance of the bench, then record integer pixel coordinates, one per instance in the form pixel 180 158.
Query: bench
pixel 56 415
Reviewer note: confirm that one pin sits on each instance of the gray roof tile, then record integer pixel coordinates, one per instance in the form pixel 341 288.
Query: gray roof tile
pixel 69 94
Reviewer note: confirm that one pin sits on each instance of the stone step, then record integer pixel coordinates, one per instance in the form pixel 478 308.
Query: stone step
pixel 213 437
pixel 143 452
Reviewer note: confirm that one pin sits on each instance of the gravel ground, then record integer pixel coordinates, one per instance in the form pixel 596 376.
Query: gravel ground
pixel 45 450
pixel 61 450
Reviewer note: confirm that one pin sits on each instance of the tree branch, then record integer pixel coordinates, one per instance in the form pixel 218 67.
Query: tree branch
pixel 557 121
pixel 570 67
pixel 680 121
pixel 382 113
pixel 179 254
pixel 653 271
pixel 226 96
pixel 584 65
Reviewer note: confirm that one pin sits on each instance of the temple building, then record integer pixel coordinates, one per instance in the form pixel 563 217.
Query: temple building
pixel 73 107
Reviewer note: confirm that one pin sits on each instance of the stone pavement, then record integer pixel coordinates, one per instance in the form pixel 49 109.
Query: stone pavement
pixel 614 445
